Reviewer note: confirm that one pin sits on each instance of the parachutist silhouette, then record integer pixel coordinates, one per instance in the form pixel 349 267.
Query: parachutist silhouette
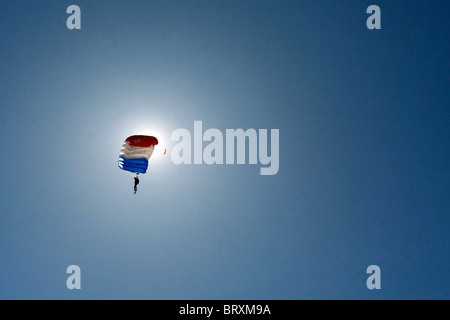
pixel 136 182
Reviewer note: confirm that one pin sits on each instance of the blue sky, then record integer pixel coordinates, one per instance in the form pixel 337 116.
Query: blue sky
pixel 364 173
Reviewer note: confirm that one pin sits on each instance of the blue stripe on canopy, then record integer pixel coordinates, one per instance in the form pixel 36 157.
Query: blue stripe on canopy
pixel 138 166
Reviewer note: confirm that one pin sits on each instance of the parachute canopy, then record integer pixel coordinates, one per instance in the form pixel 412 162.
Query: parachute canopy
pixel 135 153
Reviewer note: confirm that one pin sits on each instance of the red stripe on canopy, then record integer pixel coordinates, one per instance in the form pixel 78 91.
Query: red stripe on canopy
pixel 142 141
